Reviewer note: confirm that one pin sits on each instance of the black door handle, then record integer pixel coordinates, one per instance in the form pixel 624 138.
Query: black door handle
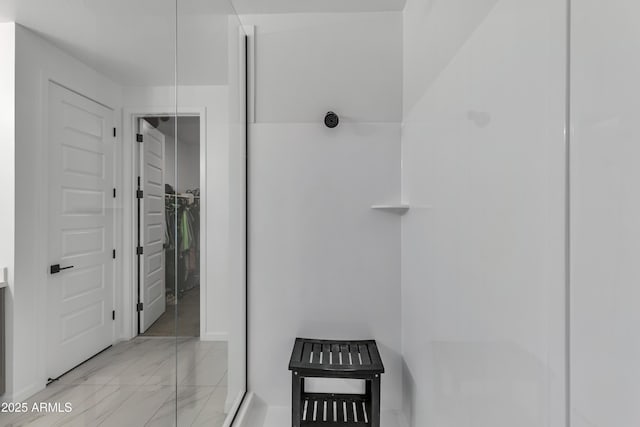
pixel 57 269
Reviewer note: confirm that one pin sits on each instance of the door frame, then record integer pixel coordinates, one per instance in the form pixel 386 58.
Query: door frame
pixel 42 255
pixel 130 229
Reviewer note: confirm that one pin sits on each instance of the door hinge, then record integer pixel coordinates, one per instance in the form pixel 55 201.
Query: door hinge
pixel 139 137
pixel 140 306
pixel 114 254
pixel 114 132
pixel 139 194
pixel 113 315
pixel 114 193
pixel 139 250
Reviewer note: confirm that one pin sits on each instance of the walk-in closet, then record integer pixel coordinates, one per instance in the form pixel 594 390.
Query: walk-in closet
pixel 181 244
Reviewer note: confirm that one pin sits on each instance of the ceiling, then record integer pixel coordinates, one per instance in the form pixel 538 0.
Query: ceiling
pixel 317 6
pixel 133 42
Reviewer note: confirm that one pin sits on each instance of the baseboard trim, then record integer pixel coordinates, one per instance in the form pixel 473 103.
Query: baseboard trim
pixel 23 394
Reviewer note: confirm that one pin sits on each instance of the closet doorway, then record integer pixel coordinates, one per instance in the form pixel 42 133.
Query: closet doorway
pixel 169 210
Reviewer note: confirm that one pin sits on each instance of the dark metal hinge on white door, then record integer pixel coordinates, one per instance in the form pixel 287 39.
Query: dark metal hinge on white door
pixel 139 194
pixel 140 306
pixel 139 250
pixel 139 137
pixel 114 132
pixel 113 315
pixel 114 254
pixel 114 193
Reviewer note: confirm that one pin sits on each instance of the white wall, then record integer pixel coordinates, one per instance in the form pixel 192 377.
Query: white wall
pixel 170 161
pixel 483 252
pixel 215 100
pixel 7 171
pixel 188 166
pixel 36 62
pixel 322 263
pixel 605 220
pixel 188 160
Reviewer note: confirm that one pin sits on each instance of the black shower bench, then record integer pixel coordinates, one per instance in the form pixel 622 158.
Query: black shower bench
pixel 313 358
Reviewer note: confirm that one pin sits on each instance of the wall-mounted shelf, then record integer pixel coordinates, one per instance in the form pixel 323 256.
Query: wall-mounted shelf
pixel 399 209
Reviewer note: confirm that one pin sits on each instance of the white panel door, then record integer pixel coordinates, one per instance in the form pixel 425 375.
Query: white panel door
pixel 152 219
pixel 81 230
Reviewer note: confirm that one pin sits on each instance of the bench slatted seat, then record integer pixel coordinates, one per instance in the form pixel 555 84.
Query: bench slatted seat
pixel 313 358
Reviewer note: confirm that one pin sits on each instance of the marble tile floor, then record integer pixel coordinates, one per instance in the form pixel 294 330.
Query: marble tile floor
pixel 139 383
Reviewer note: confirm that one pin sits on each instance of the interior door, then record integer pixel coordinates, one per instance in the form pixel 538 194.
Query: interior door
pixel 152 227
pixel 81 229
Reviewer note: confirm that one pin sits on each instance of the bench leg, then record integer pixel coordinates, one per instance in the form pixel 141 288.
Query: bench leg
pixel 297 388
pixel 373 390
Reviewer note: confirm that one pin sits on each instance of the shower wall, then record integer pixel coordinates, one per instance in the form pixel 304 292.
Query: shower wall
pixel 322 262
pixel 483 277
pixel 605 214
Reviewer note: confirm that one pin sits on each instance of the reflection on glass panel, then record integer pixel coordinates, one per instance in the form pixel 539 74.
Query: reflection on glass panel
pixel 207 162
pixel 121 111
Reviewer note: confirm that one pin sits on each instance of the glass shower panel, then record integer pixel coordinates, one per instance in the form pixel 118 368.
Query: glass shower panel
pixel 209 193
pixel 92 79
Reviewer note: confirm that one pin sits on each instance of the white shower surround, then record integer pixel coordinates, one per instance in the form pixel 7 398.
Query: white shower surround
pixel 483 172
